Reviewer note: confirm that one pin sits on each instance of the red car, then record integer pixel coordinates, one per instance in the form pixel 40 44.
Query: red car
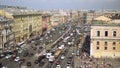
pixel 57 62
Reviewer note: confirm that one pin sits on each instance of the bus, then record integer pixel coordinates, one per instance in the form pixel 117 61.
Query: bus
pixel 57 53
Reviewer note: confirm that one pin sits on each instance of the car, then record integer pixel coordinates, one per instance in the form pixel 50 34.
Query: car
pixel 78 53
pixel 68 62
pixel 62 57
pixel 41 39
pixel 8 56
pixel 17 59
pixel 30 54
pixel 53 29
pixel 20 51
pixel 41 63
pixel 12 57
pixel 68 66
pixel 25 54
pixel 4 67
pixel 34 48
pixel 36 61
pixel 58 66
pixel 1 64
pixel 2 55
pixel 40 47
pixel 29 64
pixel 57 62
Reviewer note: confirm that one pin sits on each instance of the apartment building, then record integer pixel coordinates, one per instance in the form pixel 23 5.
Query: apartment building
pixel 7 36
pixel 26 23
pixel 105 39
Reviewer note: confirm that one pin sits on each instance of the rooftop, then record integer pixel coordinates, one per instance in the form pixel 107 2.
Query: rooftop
pixel 102 23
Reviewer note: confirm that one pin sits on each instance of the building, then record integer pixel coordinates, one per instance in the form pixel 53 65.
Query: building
pixel 58 17
pixel 26 23
pixel 7 36
pixel 105 39
pixel 46 25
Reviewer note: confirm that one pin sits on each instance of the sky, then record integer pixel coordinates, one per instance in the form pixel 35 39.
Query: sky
pixel 64 4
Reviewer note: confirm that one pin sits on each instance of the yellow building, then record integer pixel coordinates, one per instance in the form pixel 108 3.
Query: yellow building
pixel 27 23
pixel 105 39
pixel 58 17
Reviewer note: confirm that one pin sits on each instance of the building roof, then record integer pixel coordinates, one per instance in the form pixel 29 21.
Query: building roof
pixel 10 12
pixel 103 23
pixel 103 18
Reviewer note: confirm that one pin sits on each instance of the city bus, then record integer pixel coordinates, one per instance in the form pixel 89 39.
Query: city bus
pixel 57 53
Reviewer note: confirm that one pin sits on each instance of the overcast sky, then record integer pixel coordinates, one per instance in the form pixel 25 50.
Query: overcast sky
pixel 64 4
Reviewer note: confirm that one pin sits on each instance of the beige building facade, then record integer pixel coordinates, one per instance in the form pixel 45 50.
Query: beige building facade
pixel 26 23
pixel 105 40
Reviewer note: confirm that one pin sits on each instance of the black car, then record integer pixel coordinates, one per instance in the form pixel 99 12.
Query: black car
pixel 0 65
pixel 30 54
pixel 36 61
pixel 41 63
pixel 29 64
pixel 25 54
pixel 40 47
pixel 68 62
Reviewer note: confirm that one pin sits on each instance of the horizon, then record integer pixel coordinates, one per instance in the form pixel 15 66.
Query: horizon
pixel 64 4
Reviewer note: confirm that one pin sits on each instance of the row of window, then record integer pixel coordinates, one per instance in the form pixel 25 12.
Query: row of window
pixel 114 34
pixel 105 48
pixel 105 43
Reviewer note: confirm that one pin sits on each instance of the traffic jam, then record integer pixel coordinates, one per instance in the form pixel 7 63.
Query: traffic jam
pixel 55 48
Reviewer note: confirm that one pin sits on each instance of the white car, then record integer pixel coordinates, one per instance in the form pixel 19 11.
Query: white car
pixel 58 66
pixel 69 43
pixel 8 56
pixel 41 39
pixel 62 57
pixel 71 34
pixel 53 29
pixel 20 51
pixel 17 59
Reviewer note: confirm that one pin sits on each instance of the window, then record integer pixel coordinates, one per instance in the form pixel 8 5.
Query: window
pixel 105 48
pixel 98 33
pixel 97 48
pixel 106 43
pixel 106 33
pixel 114 48
pixel 114 33
pixel 114 43
pixel 98 43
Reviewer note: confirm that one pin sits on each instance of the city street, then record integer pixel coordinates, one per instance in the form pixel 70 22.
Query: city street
pixel 73 54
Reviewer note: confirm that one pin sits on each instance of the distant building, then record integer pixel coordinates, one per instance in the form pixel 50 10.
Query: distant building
pixel 105 39
pixel 46 22
pixel 58 17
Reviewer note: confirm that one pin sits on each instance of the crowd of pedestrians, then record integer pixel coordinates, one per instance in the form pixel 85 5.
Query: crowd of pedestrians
pixel 87 61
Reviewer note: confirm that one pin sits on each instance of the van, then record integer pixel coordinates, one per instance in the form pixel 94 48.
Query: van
pixel 78 53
